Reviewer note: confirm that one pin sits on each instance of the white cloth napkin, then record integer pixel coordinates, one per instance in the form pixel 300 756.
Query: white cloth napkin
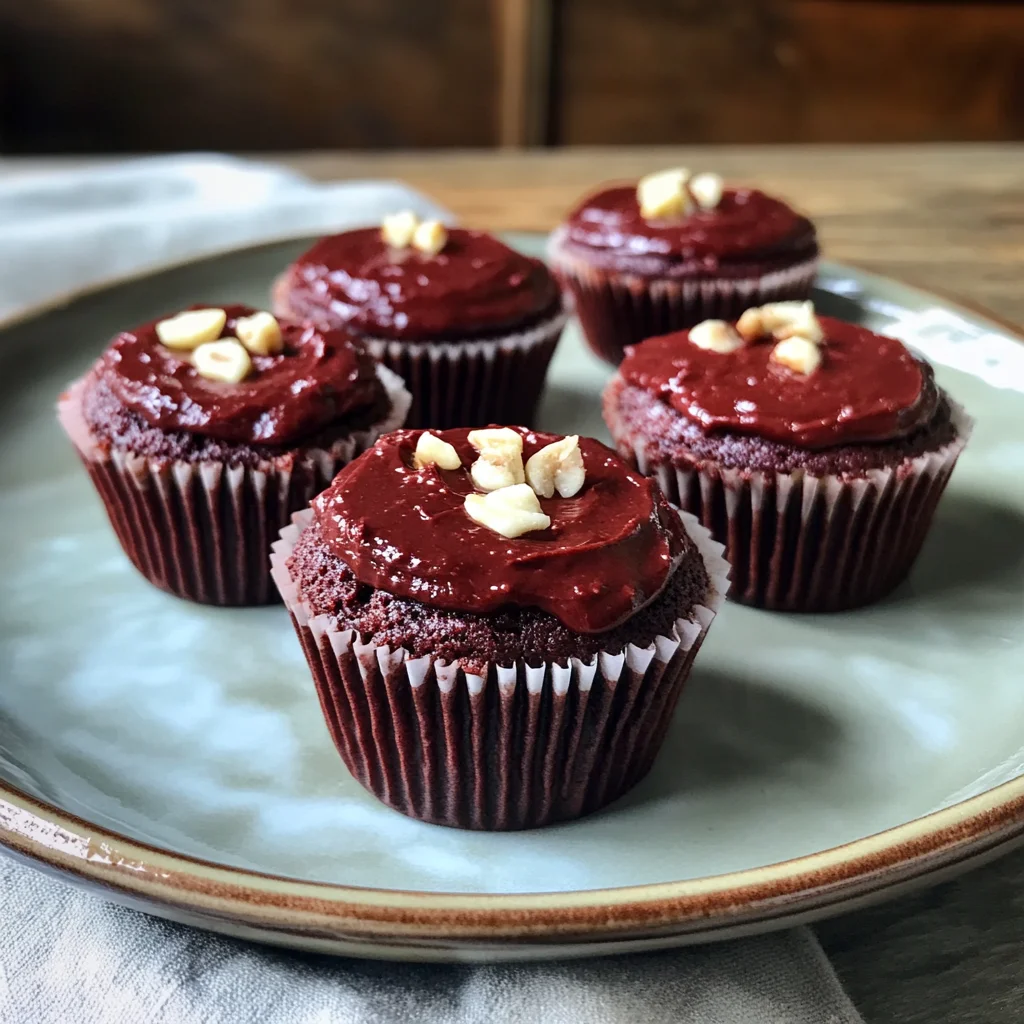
pixel 68 956
pixel 63 231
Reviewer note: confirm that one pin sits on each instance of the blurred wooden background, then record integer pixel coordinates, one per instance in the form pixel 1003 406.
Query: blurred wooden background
pixel 149 75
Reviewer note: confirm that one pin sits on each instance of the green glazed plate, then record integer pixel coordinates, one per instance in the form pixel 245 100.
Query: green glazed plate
pixel 174 756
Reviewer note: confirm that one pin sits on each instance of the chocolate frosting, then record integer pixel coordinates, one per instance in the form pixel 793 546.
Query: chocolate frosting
pixel 475 285
pixel 746 228
pixel 608 552
pixel 320 377
pixel 868 387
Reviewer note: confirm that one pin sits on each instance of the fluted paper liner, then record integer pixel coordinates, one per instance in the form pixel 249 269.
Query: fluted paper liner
pixel 804 543
pixel 203 530
pixel 473 383
pixel 619 309
pixel 517 747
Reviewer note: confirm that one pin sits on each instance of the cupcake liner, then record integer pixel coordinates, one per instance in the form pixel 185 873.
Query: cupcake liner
pixel 203 530
pixel 617 309
pixel 517 747
pixel 804 543
pixel 473 383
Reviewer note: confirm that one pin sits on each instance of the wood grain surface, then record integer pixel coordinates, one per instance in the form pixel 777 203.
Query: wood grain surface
pixel 140 75
pixel 157 75
pixel 657 71
pixel 949 217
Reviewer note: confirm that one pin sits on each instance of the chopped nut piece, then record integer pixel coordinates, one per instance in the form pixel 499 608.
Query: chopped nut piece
pixel 191 328
pixel 707 189
pixel 751 324
pixel 557 467
pixel 501 458
pixel 801 355
pixel 432 451
pixel 430 237
pixel 500 438
pixel 225 360
pixel 510 511
pixel 716 336
pixel 664 194
pixel 260 334
pixel 397 229
pixel 785 319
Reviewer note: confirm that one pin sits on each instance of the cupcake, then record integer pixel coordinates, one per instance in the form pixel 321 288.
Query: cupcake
pixel 203 433
pixel 673 251
pixel 468 323
pixel 497 645
pixel 814 449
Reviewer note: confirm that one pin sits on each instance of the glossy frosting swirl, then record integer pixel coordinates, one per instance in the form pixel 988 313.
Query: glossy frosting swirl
pixel 746 228
pixel 868 387
pixel 608 552
pixel 475 285
pixel 320 377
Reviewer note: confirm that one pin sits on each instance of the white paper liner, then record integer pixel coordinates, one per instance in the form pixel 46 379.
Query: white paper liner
pixel 203 530
pixel 616 309
pixel 515 747
pixel 798 542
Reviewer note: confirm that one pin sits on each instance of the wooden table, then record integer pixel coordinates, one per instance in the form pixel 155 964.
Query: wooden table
pixel 946 217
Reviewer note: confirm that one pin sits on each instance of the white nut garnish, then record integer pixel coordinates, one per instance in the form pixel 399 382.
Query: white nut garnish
pixel 784 319
pixel 397 229
pixel 750 325
pixel 191 328
pixel 557 467
pixel 510 511
pixel 260 334
pixel 430 237
pixel 501 458
pixel 664 194
pixel 801 355
pixel 716 336
pixel 225 360
pixel 707 189
pixel 432 451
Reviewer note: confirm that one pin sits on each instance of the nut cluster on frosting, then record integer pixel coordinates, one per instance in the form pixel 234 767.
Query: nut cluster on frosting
pixel 405 229
pixel 223 359
pixel 509 502
pixel 674 193
pixel 793 325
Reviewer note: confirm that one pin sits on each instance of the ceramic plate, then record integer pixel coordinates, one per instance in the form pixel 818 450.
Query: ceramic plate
pixel 175 755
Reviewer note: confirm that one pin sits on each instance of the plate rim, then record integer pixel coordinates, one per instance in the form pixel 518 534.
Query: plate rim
pixel 292 910
pixel 41 832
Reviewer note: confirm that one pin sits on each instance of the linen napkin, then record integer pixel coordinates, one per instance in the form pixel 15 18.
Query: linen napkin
pixel 63 231
pixel 66 955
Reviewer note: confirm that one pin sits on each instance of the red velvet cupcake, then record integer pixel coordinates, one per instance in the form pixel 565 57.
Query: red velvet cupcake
pixel 468 323
pixel 492 654
pixel 205 431
pixel 818 459
pixel 647 259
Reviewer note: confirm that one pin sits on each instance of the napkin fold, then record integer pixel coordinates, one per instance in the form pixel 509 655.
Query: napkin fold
pixel 64 231
pixel 66 955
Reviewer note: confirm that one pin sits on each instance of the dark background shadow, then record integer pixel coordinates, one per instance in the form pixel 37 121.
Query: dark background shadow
pixel 731 729
pixel 973 541
pixel 969 578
